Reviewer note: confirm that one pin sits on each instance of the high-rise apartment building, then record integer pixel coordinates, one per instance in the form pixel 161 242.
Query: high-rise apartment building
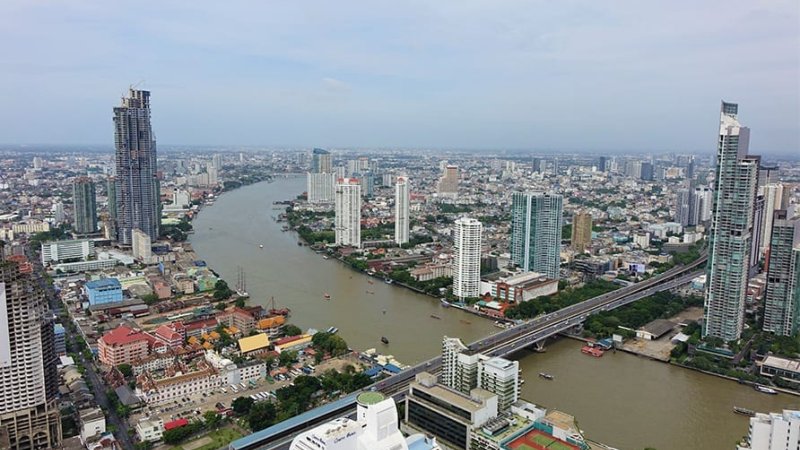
pixel 581 231
pixel 603 164
pixel 451 348
pixel 401 211
pixel 536 232
pixel 137 194
pixel 448 183
pixel 700 206
pixel 647 171
pixel 57 209
pixel 731 229
pixel 320 187
pixel 321 161
pixel 348 212
pixel 467 258
pixel 84 201
pixel 773 197
pixel 216 162
pixel 683 207
pixel 111 194
pixel 500 377
pixel 29 415
pixel 782 301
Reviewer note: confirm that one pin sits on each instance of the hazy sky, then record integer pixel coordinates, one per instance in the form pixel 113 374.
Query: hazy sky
pixel 593 75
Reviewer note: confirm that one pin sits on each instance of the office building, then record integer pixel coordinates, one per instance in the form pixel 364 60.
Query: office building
pixel 136 185
pixel 85 205
pixel 29 415
pixel 321 161
pixel 538 165
pixel 581 231
pixel 683 207
pixel 731 230
pixel 448 183
pixel 536 232
pixel 401 217
pixel 773 197
pixel 320 187
pixel 56 251
pixel 467 258
pixel 757 234
pixel 603 164
pixel 700 206
pixel 774 431
pixel 782 300
pixel 347 226
pixel 647 171
pixel 103 291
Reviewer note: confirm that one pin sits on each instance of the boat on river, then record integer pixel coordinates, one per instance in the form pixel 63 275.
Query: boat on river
pixel 744 411
pixel 275 311
pixel 260 245
pixel 434 316
pixel 765 390
pixel 384 340
pixel 444 302
pixel 593 351
pixel 546 376
pixel 327 296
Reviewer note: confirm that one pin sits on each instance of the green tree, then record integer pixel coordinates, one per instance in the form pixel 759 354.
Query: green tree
pixel 126 370
pixel 242 405
pixel 150 299
pixel 288 358
pixel 292 330
pixel 261 415
pixel 212 419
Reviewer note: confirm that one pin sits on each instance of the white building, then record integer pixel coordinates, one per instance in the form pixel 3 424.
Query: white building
pixel 375 428
pixel 320 187
pixel 774 431
pixel 642 240
pixel 58 212
pixel 401 217
pixel 142 245
pixel 773 195
pixel 348 212
pixel 467 260
pixel 93 423
pixel 500 377
pixel 62 250
pixel 150 430
pixel 155 392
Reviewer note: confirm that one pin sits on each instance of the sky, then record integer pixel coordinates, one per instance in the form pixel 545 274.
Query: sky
pixel 550 75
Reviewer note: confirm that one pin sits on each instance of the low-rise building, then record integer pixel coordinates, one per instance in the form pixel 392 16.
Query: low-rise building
pixel 255 344
pixel 238 317
pixel 150 429
pixel 103 291
pixel 158 391
pixel 65 250
pixel 123 345
pixel 787 369
pixel 519 287
pixel 431 272
pixel 775 431
pixel 92 423
pixel 292 343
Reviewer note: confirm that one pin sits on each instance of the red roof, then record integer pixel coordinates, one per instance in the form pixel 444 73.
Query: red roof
pixel 286 340
pixel 124 335
pixel 175 424
pixel 207 323
pixel 166 332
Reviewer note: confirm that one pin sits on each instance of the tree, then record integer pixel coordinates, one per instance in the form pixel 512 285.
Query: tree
pixel 292 330
pixel 261 415
pixel 220 306
pixel 150 299
pixel 240 302
pixel 287 358
pixel 212 419
pixel 126 370
pixel 242 405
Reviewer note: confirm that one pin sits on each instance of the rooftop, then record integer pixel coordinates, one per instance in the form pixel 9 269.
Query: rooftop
pixel 104 283
pixel 370 398
pixel 255 342
pixel 790 365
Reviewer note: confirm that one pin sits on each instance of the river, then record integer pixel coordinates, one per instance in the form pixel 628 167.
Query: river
pixel 621 400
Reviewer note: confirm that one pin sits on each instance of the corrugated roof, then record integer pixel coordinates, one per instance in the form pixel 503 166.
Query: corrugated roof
pixel 255 342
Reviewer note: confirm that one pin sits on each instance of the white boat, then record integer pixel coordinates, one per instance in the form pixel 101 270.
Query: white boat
pixel 765 390
pixel 260 245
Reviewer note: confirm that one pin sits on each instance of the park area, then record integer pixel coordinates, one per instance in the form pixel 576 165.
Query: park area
pixel 536 440
pixel 211 441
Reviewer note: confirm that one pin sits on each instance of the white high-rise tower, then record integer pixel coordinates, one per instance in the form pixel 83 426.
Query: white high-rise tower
pixel 348 212
pixel 467 262
pixel 401 218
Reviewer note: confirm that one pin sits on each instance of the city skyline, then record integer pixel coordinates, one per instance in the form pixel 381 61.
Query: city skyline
pixel 440 76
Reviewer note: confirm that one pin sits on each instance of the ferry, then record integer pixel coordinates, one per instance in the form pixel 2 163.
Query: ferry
pixel 765 390
pixel 444 302
pixel 546 376
pixel 744 411
pixel 434 316
pixel 593 351
pixel 384 340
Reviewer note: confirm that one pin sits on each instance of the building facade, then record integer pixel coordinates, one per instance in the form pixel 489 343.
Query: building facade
pixel 55 251
pixel 467 259
pixel 773 196
pixel 700 206
pixel 536 232
pixel 774 431
pixel 731 229
pixel 581 231
pixel 401 211
pixel 448 183
pixel 347 226
pixel 320 187
pixel 136 186
pixel 103 291
pixel 321 161
pixel 123 345
pixel 84 201
pixel 782 301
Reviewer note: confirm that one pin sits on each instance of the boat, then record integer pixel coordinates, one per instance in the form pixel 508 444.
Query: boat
pixel 332 330
pixel 388 281
pixel 744 411
pixel 260 245
pixel 444 302
pixel 299 244
pixel 275 311
pixel 370 282
pixel 327 296
pixel 466 322
pixel 435 317
pixel 324 256
pixel 546 376
pixel 384 340
pixel 593 351
pixel 765 390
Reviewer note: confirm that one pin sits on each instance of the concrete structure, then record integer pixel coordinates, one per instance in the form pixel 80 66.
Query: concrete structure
pixel 150 429
pixel 84 201
pixel 136 186
pixel 700 207
pixel 123 345
pixel 683 207
pixel 451 348
pixel 320 187
pixel 29 415
pixel 782 301
pixel 520 287
pixel 500 377
pixel 142 245
pixel 467 258
pixel 448 183
pixel 320 161
pixel 92 424
pixel 347 226
pixel 773 197
pixel 787 369
pixel 103 291
pixel 581 231
pixel 731 230
pixel 774 431
pixel 432 271
pixel 59 339
pixel 55 251
pixel 401 215
pixel 159 391
pixel 536 232
pixel 58 212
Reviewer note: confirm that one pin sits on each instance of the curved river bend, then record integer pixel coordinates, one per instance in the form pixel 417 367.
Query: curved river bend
pixel 621 400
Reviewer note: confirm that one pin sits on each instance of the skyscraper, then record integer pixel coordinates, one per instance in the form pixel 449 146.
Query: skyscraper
pixel 320 187
pixel 581 231
pixel 782 301
pixel 29 415
pixel 348 212
pixel 467 258
pixel 731 230
pixel 647 171
pixel 320 161
pixel 683 207
pixel 111 193
pixel 401 217
pixel 85 205
pixel 448 183
pixel 700 205
pixel 536 232
pixel 216 161
pixel 602 164
pixel 773 197
pixel 136 165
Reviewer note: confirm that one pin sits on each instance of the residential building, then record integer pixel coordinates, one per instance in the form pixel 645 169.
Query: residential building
pixel 774 431
pixel 136 186
pixel 500 377
pixel 84 201
pixel 92 424
pixel 536 232
pixel 320 187
pixel 150 429
pixel 348 213
pixel 29 415
pixel 467 258
pixel 683 207
pixel 647 171
pixel 782 300
pixel 59 339
pixel 451 348
pixel 237 317
pixel 123 345
pixel 58 212
pixel 731 230
pixel 401 209
pixel 103 291
pixel 321 161
pixel 448 183
pixel 581 231
pixel 55 251
pixel 700 207
pixel 142 245
pixel 773 197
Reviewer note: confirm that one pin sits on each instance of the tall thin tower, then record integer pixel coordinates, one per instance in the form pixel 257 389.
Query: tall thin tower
pixel 137 195
pixel 401 216
pixel 84 200
pixel 467 259
pixel 730 239
pixel 347 225
pixel 782 302
pixel 536 232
